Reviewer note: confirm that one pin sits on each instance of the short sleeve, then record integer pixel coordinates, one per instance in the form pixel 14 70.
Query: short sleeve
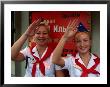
pixel 24 51
pixel 67 62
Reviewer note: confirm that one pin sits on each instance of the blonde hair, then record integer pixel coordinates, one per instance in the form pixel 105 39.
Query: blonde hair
pixel 88 33
pixel 45 25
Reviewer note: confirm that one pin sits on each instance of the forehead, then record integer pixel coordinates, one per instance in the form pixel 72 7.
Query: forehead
pixel 81 34
pixel 42 28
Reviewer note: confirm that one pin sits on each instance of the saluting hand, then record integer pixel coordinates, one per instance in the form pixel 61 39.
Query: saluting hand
pixel 71 28
pixel 32 28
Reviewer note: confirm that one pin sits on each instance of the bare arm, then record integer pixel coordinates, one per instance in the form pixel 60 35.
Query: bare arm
pixel 70 32
pixel 15 49
pixel 57 59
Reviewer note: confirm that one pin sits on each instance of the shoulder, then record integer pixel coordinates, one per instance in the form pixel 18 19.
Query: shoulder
pixel 25 49
pixel 69 58
pixel 95 58
pixel 95 55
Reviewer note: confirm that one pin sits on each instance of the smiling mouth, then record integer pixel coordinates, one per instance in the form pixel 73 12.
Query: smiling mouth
pixel 83 48
pixel 41 40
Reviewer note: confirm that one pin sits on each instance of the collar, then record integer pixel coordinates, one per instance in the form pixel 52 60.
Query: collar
pixel 90 64
pixel 35 52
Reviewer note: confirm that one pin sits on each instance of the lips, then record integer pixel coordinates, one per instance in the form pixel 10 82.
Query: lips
pixel 41 39
pixel 83 48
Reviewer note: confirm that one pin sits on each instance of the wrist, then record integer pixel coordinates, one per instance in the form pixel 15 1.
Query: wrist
pixel 26 35
pixel 64 38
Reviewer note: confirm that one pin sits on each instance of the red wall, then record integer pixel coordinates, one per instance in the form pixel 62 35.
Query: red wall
pixel 58 21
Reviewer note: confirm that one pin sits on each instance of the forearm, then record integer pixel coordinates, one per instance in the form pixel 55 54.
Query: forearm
pixel 58 50
pixel 15 49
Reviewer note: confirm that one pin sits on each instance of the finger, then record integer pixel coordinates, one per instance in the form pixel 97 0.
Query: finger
pixel 77 21
pixel 36 29
pixel 69 23
pixel 35 23
pixel 74 26
pixel 32 25
pixel 39 20
pixel 74 22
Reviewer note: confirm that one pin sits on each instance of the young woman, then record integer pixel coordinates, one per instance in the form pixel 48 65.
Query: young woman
pixel 38 57
pixel 80 64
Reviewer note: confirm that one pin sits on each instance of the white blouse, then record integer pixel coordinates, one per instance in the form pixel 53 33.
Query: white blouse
pixel 75 70
pixel 49 66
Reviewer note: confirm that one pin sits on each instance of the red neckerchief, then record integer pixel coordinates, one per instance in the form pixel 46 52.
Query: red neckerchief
pixel 40 60
pixel 86 71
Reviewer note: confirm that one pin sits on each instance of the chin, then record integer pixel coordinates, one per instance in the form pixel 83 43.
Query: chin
pixel 42 44
pixel 83 52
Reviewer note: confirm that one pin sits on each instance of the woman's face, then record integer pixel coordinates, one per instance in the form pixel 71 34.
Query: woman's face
pixel 42 36
pixel 83 42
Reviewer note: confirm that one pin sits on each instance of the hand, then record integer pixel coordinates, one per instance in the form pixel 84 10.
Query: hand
pixel 32 28
pixel 71 28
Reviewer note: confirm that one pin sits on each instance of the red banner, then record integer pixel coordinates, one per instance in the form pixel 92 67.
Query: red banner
pixel 58 21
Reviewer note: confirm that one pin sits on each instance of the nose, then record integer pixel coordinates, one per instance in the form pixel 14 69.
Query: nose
pixel 82 43
pixel 41 35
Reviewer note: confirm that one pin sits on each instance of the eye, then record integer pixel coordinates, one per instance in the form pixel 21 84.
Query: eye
pixel 85 40
pixel 38 33
pixel 78 41
pixel 45 33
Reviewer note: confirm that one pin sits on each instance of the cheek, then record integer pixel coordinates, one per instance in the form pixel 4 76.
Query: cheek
pixel 77 45
pixel 36 35
pixel 89 43
pixel 47 36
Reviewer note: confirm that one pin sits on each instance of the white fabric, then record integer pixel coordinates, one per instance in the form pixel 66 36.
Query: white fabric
pixel 75 70
pixel 49 66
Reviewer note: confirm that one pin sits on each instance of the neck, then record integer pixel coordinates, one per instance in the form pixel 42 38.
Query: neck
pixel 85 55
pixel 41 49
pixel 85 58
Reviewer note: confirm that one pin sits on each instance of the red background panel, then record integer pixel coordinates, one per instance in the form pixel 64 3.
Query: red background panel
pixel 58 21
